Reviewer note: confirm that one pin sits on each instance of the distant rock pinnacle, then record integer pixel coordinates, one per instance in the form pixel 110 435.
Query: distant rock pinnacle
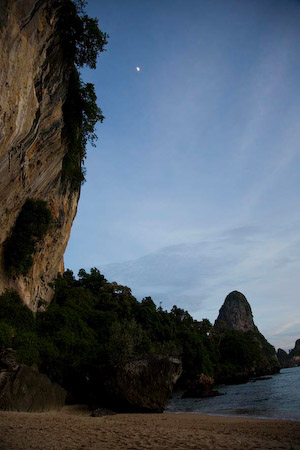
pixel 235 314
pixel 297 346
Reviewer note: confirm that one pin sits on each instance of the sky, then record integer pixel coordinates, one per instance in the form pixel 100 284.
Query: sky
pixel 193 188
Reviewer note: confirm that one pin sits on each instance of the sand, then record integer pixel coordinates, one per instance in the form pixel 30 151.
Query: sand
pixel 72 428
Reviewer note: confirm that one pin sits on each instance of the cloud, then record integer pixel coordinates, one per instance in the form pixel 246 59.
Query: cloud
pixel 286 327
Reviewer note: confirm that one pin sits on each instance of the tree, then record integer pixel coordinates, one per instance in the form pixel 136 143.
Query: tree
pixel 92 281
pixel 81 41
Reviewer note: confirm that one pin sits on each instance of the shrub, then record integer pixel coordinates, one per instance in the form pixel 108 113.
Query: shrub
pixel 6 335
pixel 14 313
pixel 17 328
pixel 31 226
pixel 126 340
pixel 240 349
pixel 26 344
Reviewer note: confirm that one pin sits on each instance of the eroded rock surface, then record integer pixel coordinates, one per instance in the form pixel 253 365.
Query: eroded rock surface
pixel 202 387
pixel 33 88
pixel 24 389
pixel 235 314
pixel 142 385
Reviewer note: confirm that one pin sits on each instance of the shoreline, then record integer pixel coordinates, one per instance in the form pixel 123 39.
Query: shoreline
pixel 232 416
pixel 73 428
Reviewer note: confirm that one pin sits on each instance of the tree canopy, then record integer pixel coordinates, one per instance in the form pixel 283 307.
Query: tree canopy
pixel 81 42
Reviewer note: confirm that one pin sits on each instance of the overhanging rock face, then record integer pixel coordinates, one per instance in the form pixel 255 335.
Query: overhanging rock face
pixel 33 88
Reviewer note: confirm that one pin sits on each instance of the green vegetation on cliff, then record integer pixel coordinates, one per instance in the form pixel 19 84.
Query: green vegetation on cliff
pixel 30 228
pixel 81 114
pixel 81 41
pixel 18 328
pixel 244 354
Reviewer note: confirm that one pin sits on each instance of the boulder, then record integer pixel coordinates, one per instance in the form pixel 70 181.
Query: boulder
pixel 142 385
pixel 202 387
pixel 101 412
pixel 254 380
pixel 23 388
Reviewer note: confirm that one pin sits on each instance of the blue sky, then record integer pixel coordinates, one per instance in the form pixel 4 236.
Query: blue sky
pixel 193 188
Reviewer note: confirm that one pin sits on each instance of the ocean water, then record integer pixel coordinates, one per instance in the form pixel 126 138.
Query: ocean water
pixel 276 398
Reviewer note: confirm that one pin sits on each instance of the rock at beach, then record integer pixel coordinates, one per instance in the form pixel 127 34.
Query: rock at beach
pixel 254 380
pixel 203 387
pixel 142 385
pixel 23 388
pixel 101 412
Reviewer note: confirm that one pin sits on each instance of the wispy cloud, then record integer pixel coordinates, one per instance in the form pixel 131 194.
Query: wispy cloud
pixel 286 327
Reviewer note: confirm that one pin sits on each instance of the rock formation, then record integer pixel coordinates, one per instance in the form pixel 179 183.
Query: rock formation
pixel 203 387
pixel 296 350
pixel 33 88
pixel 291 359
pixel 24 389
pixel 284 358
pixel 142 385
pixel 235 314
pixel 244 351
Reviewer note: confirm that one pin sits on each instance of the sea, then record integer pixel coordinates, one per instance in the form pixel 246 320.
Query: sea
pixel 274 398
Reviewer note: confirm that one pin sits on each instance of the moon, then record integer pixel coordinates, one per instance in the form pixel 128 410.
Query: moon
pixel 138 69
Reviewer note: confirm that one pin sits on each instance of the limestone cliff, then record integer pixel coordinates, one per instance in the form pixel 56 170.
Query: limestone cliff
pixel 33 87
pixel 296 350
pixel 235 314
pixel 291 359
pixel 284 358
pixel 244 351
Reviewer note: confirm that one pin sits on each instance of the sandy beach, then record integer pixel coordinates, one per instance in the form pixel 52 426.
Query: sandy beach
pixel 72 428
